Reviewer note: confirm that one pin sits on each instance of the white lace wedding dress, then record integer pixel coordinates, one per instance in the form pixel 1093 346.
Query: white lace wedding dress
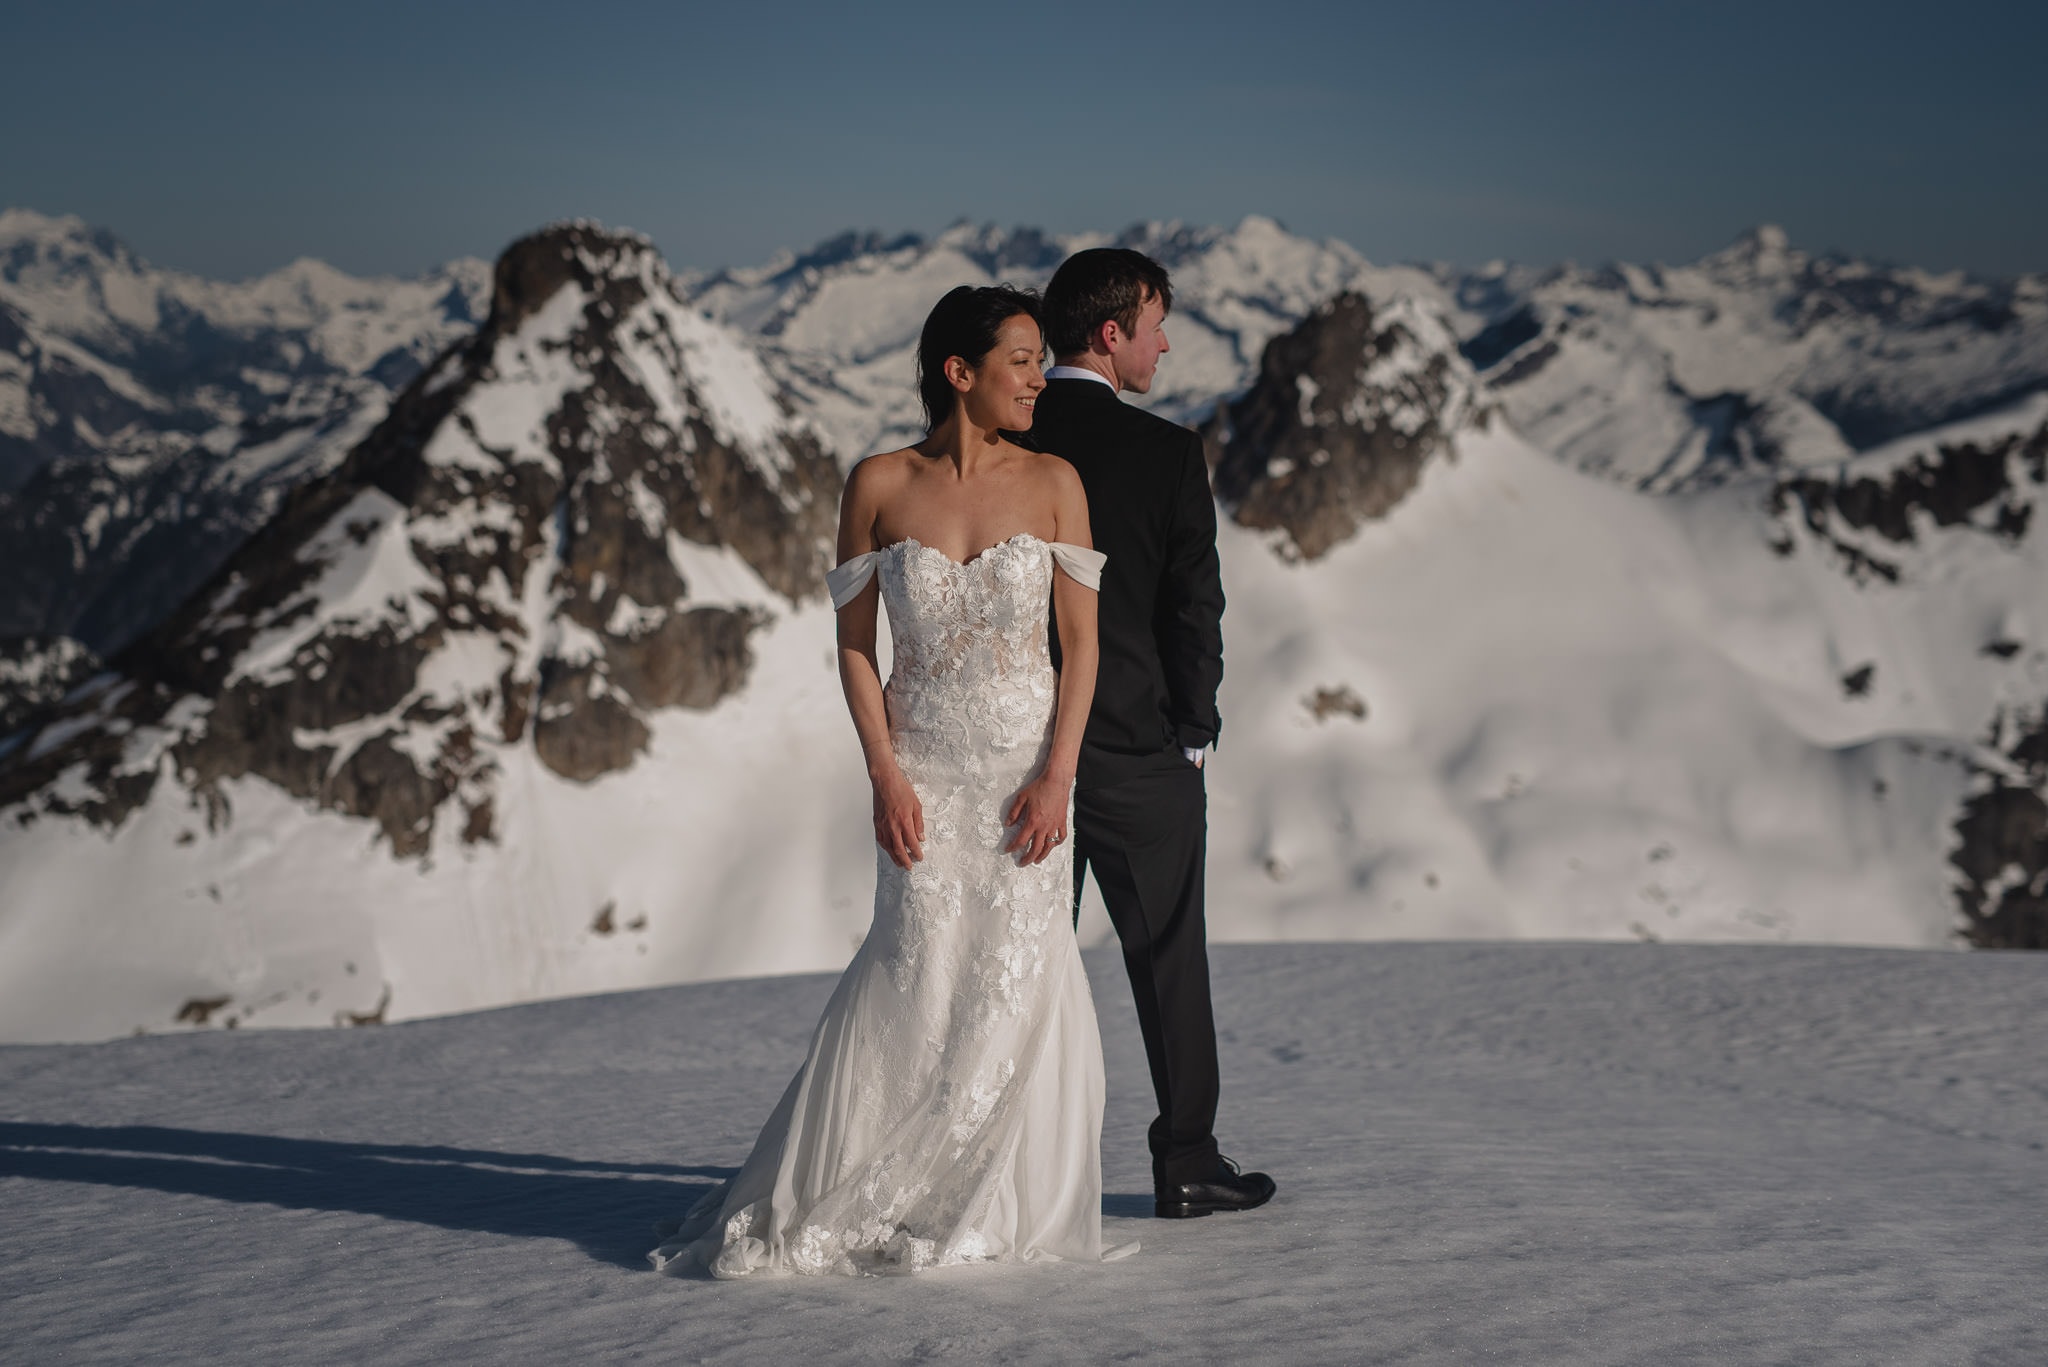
pixel 950 1109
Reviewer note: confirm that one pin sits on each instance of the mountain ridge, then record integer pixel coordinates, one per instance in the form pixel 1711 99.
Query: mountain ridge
pixel 151 420
pixel 527 689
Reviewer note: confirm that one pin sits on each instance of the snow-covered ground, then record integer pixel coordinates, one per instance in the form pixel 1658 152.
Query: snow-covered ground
pixel 1522 1153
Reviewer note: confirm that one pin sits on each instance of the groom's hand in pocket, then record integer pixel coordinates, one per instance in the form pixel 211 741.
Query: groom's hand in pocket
pixel 899 818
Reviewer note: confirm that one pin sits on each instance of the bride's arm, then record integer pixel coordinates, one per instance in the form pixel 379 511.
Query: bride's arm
pixel 1040 810
pixel 899 816
pixel 1074 606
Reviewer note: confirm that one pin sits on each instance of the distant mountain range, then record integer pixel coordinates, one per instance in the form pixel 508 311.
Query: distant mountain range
pixel 150 420
pixel 1759 356
pixel 379 648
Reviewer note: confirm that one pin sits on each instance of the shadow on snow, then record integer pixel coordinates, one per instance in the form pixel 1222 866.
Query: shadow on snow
pixel 606 1209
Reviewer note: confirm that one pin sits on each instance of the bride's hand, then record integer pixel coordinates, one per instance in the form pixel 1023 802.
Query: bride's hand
pixel 1039 812
pixel 899 819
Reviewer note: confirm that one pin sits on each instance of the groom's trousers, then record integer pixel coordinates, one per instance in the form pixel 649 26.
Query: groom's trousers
pixel 1145 837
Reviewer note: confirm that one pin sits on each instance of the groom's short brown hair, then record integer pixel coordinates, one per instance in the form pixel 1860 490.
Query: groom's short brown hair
pixel 1090 288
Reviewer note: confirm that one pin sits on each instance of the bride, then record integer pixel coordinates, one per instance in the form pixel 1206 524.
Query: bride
pixel 950 1108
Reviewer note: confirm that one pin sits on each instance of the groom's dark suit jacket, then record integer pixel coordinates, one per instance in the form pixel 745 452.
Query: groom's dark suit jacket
pixel 1161 604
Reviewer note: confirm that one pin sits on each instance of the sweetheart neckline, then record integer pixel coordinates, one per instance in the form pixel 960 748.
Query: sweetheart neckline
pixel 1083 564
pixel 972 559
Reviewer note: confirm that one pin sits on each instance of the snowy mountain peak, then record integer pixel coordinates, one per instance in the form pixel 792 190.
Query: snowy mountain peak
pixel 1261 226
pixel 32 241
pixel 999 250
pixel 525 687
pixel 150 420
pixel 18 223
pixel 1255 237
pixel 1768 237
pixel 1764 248
pixel 576 518
pixel 80 280
pixel 1347 409
pixel 1757 358
pixel 587 255
pixel 837 325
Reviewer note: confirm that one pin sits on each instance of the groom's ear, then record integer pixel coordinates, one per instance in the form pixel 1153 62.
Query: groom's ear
pixel 1108 333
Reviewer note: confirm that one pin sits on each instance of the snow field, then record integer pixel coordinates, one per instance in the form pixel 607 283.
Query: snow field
pixel 1580 1154
pixel 1586 713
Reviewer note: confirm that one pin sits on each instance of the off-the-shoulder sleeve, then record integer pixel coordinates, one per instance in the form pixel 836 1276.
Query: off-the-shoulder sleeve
pixel 1082 565
pixel 846 581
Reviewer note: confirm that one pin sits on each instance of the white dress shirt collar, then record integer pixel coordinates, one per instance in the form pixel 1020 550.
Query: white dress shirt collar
pixel 1076 372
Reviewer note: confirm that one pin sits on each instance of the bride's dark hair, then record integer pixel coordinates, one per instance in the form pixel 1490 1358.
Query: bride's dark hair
pixel 964 324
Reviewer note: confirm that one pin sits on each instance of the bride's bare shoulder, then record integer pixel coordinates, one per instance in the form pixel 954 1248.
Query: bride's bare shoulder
pixel 877 474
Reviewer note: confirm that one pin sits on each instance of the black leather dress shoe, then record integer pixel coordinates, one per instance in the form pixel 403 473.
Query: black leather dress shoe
pixel 1224 1189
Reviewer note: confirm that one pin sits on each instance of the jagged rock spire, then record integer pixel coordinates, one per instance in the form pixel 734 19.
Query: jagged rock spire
pixel 505 560
pixel 1346 410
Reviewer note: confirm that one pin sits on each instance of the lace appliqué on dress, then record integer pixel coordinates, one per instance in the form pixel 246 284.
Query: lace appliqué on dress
pixel 950 1108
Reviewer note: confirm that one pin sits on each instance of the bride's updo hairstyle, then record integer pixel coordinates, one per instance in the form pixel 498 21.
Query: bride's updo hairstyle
pixel 964 324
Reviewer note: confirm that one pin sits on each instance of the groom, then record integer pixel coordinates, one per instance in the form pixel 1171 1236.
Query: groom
pixel 1140 809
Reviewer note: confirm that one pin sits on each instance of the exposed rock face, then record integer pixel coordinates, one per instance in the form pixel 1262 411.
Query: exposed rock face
pixel 2002 842
pixel 1990 487
pixel 37 671
pixel 1347 409
pixel 1873 518
pixel 506 557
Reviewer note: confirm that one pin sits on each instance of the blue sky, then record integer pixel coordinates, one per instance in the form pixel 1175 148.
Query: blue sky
pixel 228 138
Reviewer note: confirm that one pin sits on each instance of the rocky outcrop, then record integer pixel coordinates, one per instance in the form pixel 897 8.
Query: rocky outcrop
pixel 2001 849
pixel 1347 409
pixel 504 561
pixel 35 674
pixel 1990 487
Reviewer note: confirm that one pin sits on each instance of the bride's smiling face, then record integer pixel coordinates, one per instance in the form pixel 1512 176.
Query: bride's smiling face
pixel 1000 391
